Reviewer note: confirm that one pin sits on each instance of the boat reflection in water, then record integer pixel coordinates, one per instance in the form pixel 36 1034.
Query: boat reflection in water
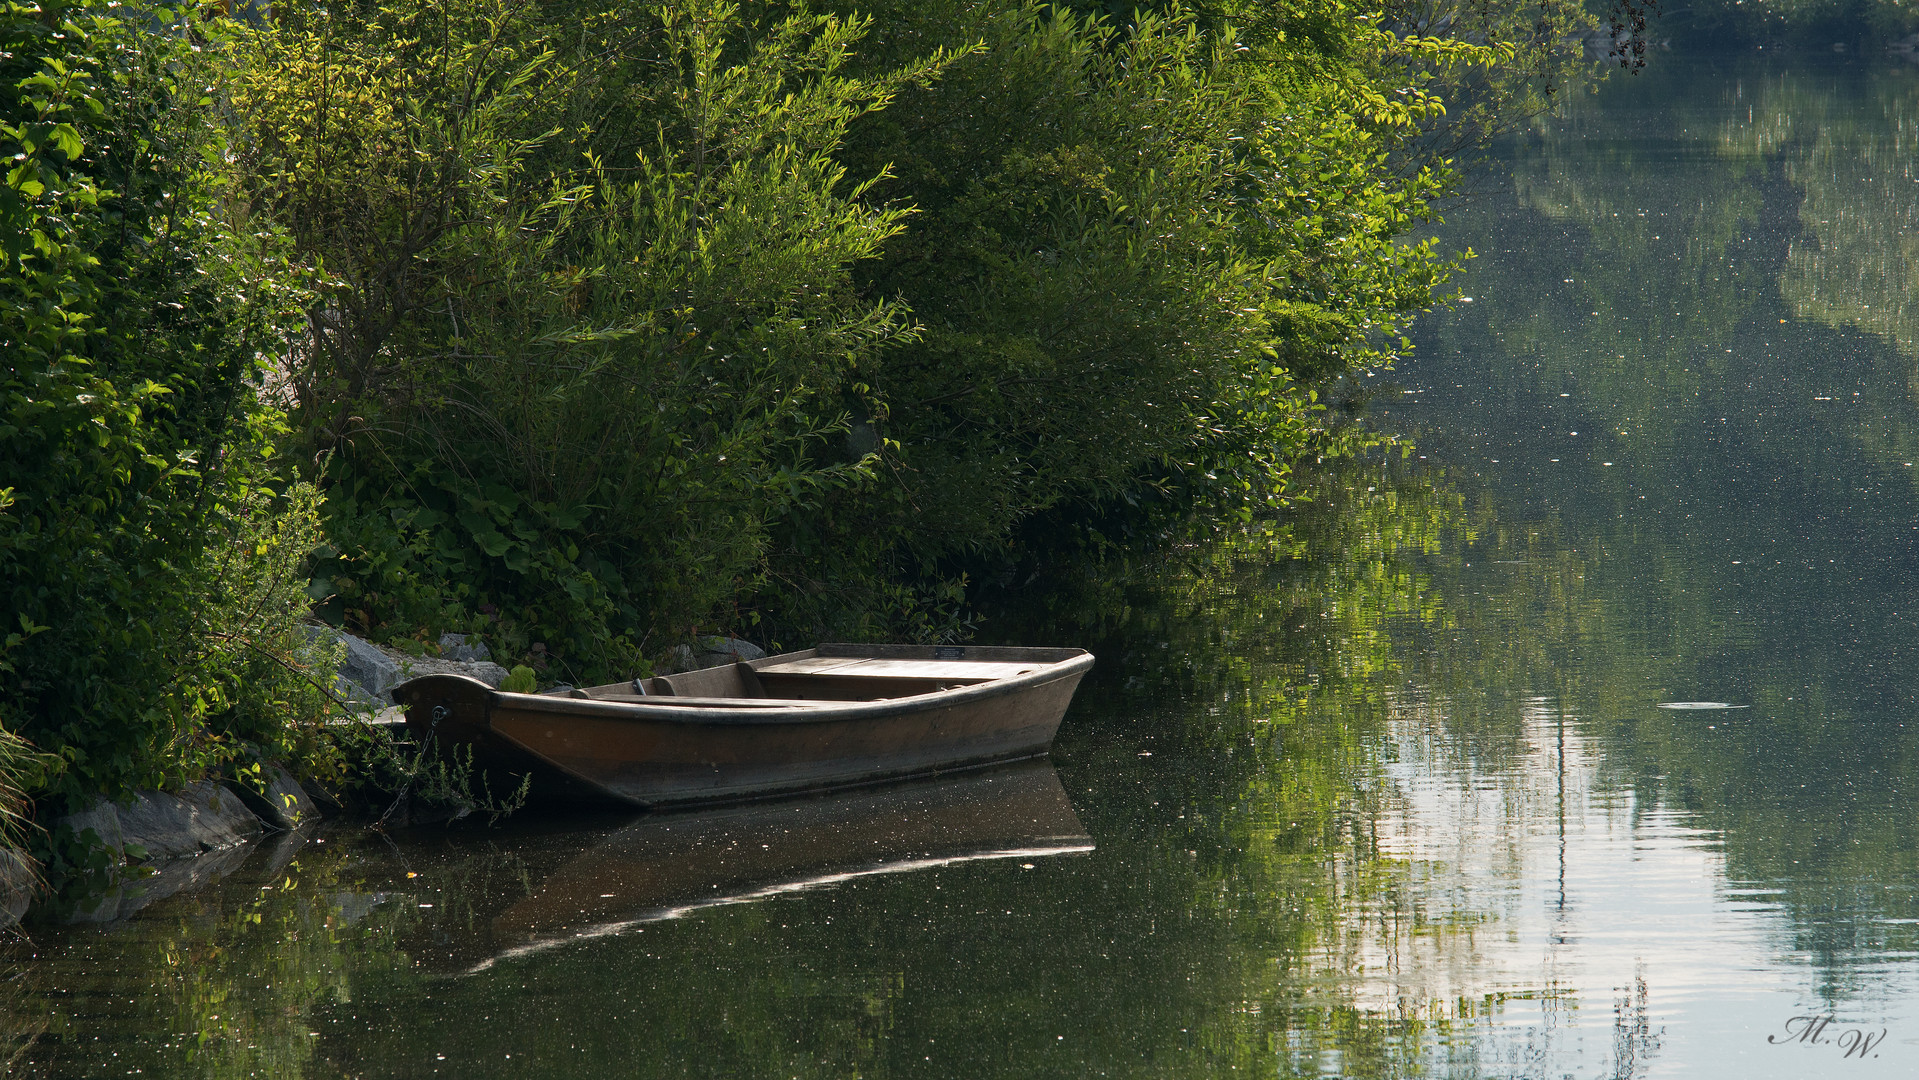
pixel 668 865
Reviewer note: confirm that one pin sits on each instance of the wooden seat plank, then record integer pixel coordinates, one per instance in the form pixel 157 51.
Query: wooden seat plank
pixel 714 702
pixel 904 669
pixel 814 665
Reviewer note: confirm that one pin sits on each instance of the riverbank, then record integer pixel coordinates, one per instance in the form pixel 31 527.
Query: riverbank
pixel 113 855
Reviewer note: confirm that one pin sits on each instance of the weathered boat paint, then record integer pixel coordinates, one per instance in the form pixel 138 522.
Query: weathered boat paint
pixel 831 717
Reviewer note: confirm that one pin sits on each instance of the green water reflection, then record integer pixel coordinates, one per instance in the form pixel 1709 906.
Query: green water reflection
pixel 1382 792
pixel 1709 280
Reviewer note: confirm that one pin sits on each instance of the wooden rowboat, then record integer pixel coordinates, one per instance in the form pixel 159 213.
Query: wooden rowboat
pixel 835 716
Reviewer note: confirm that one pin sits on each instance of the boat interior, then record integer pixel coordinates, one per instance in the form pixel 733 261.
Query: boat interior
pixel 809 678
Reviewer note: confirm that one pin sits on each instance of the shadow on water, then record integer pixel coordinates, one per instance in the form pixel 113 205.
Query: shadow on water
pixel 1383 790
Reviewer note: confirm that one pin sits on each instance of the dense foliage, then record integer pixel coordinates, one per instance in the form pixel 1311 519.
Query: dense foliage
pixel 592 330
pixel 148 576
pixel 633 324
pixel 566 375
pixel 1139 266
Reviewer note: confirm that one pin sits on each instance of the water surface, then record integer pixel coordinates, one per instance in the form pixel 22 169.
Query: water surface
pixel 1383 792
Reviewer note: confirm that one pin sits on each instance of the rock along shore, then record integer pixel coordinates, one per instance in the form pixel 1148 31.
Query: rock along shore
pixel 184 838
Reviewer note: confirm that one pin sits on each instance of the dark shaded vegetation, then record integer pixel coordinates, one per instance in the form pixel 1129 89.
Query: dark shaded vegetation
pixel 150 552
pixel 797 317
pixel 589 331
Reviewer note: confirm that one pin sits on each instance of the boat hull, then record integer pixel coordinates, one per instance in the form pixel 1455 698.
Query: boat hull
pixel 653 752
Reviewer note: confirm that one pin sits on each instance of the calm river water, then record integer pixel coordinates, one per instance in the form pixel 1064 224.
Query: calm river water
pixel 1386 792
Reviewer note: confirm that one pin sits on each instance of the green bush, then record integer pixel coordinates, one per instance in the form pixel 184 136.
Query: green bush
pixel 1140 248
pixel 602 328
pixel 633 324
pixel 571 377
pixel 132 436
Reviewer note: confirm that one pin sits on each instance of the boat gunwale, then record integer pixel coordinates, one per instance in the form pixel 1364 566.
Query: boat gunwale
pixel 814 711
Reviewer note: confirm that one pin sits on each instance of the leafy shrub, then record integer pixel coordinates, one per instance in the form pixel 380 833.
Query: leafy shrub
pixel 636 323
pixel 572 376
pixel 131 433
pixel 1140 248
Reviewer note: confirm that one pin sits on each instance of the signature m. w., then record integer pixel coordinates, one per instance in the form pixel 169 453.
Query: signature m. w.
pixel 1811 1031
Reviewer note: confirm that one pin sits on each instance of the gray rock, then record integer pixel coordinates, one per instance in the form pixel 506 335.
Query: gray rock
pixel 371 667
pixel 412 667
pixel 456 647
pixel 285 805
pixel 102 818
pixel 708 652
pixel 367 673
pixel 204 816
pixel 730 649
pixel 155 826
pixel 19 882
pixel 262 863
